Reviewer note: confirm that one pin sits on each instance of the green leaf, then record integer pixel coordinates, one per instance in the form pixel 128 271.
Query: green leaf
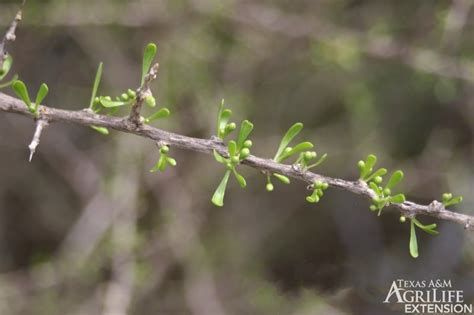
pixel 289 135
pixel 399 198
pixel 219 158
pixel 369 164
pixel 313 198
pixel 430 229
pixel 162 113
pixel 396 177
pixel 282 178
pixel 413 241
pixel 95 87
pixel 20 89
pixel 171 161
pixel 232 147
pixel 300 147
pixel 148 56
pixel 222 120
pixel 321 160
pixel 239 178
pixel 101 130
pixel 111 104
pixel 42 92
pixel 8 83
pixel 375 188
pixel 379 172
pixel 218 197
pixel 245 129
pixel 6 66
pixel 160 164
pixel 453 201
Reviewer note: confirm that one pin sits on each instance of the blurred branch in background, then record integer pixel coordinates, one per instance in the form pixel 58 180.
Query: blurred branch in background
pixel 298 26
pixel 119 290
pixel 270 18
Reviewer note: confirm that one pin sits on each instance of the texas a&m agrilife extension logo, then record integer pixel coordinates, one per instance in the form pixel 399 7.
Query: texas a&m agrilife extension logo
pixel 428 297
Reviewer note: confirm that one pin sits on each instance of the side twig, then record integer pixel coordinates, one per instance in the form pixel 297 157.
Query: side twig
pixel 9 36
pixel 41 124
pixel 142 93
pixel 86 118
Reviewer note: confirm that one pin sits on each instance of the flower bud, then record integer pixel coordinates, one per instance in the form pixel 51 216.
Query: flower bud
pixel 447 196
pixel 230 127
pixel 131 93
pixel 164 149
pixel 244 153
pixel 150 101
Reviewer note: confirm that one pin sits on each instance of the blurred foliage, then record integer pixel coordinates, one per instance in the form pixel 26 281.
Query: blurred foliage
pixel 87 214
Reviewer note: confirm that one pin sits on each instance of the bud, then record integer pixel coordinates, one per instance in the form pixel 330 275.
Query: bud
pixel 150 101
pixel 244 153
pixel 164 149
pixel 447 196
pixel 248 144
pixel 230 127
pixel 131 93
pixel 269 187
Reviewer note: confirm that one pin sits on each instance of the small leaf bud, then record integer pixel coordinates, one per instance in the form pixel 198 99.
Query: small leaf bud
pixel 150 101
pixel 164 149
pixel 244 153
pixel 248 144
pixel 269 187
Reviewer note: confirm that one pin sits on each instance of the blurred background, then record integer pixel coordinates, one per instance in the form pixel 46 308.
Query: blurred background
pixel 87 229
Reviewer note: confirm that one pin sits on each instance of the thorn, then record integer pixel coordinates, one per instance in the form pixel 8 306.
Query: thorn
pixel 40 125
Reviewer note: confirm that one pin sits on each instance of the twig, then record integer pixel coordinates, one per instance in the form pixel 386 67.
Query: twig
pixel 9 35
pixel 41 124
pixel 86 118
pixel 142 93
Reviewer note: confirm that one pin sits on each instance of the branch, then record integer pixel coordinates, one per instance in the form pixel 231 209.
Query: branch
pixel 9 36
pixel 87 118
pixel 41 124
pixel 142 93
